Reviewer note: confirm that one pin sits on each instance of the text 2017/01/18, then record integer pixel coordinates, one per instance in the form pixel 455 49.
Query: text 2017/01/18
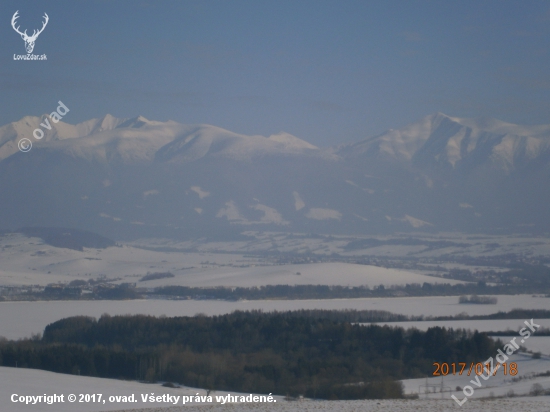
pixel 443 369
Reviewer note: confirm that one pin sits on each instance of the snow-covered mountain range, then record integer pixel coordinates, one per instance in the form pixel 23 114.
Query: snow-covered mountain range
pixel 454 143
pixel 137 140
pixel 136 177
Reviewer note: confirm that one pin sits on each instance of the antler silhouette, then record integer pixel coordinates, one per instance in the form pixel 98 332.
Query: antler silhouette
pixel 36 33
pixel 13 20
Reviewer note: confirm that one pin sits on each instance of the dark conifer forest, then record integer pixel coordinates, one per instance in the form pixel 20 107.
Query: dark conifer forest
pixel 283 353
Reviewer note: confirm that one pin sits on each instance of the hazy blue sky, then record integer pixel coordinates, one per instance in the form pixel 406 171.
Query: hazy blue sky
pixel 326 71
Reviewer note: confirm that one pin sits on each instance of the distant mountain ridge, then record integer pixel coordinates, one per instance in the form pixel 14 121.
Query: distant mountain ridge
pixel 449 141
pixel 12 132
pixel 139 139
pixel 135 177
pixel 437 139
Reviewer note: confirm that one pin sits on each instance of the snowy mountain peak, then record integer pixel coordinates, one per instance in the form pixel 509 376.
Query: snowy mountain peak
pixel 94 126
pixel 291 141
pixel 135 122
pixel 138 139
pixel 439 139
pixel 199 141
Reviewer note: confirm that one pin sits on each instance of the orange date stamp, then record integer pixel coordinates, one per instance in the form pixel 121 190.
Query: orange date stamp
pixel 458 368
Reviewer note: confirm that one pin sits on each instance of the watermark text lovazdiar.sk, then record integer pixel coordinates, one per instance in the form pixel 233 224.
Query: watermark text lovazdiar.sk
pixel 501 357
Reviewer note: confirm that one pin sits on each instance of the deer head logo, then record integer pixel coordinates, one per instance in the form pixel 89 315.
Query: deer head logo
pixel 29 40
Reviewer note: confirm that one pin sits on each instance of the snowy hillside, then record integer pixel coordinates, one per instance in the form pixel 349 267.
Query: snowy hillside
pixel 35 382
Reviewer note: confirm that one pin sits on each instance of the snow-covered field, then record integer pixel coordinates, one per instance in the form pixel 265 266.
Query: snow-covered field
pixel 497 405
pixel 498 385
pixel 536 344
pixel 28 261
pixel 21 319
pixel 513 325
pixel 35 382
pixel 399 245
pixel 305 274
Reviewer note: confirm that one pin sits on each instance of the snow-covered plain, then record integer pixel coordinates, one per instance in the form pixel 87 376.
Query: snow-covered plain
pixel 21 319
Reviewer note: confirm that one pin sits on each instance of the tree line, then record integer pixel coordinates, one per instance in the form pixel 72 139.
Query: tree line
pixel 341 292
pixel 108 290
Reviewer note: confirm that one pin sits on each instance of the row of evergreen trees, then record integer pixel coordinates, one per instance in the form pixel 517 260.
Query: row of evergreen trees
pixel 344 292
